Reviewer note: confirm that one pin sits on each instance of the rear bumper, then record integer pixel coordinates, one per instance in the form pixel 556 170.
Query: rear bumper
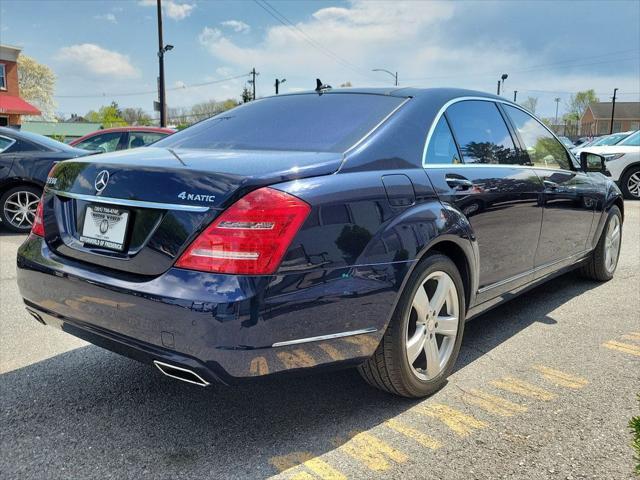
pixel 222 327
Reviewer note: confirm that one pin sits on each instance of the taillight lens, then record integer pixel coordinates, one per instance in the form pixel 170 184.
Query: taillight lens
pixel 38 222
pixel 250 237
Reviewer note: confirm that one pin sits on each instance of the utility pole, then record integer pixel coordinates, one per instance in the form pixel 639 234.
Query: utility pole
pixel 253 80
pixel 161 91
pixel 278 83
pixel 515 95
pixel 613 109
pixel 557 100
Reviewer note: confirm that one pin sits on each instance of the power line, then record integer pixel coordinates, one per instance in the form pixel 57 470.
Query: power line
pixel 271 10
pixel 148 92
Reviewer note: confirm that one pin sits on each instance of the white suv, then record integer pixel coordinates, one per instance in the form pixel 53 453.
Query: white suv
pixel 623 161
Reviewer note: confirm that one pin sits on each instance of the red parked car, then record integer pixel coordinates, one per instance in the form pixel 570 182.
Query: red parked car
pixel 120 138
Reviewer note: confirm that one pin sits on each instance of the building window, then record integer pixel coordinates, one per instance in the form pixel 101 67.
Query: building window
pixel 4 121
pixel 3 77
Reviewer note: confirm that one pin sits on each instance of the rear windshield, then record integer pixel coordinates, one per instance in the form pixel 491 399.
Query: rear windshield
pixel 331 122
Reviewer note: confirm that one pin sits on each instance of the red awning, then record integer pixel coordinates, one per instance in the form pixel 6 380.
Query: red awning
pixel 15 105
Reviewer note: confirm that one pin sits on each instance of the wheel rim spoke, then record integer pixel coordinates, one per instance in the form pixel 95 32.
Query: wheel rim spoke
pixel 447 325
pixel 421 303
pixel 433 356
pixel 415 345
pixel 440 295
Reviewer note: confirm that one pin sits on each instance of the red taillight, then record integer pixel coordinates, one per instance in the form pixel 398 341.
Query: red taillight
pixel 250 237
pixel 38 222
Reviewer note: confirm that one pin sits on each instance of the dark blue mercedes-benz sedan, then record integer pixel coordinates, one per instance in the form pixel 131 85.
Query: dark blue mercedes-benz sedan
pixel 317 230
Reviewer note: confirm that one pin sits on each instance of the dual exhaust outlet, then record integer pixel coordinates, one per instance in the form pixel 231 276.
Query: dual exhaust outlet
pixel 181 373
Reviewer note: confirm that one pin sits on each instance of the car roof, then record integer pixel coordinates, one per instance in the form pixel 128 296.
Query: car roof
pixel 404 92
pixel 133 129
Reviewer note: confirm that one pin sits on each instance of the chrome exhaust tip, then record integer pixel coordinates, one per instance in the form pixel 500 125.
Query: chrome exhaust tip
pixel 180 373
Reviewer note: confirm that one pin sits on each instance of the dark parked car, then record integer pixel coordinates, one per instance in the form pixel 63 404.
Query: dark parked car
pixel 25 160
pixel 120 138
pixel 317 230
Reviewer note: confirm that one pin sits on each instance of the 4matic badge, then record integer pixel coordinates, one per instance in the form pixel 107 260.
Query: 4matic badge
pixel 196 197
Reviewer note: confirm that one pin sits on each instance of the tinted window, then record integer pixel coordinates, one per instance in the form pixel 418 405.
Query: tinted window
pixel 442 147
pixel 481 133
pixel 104 142
pixel 141 139
pixel 543 148
pixel 632 140
pixel 41 143
pixel 331 122
pixel 5 143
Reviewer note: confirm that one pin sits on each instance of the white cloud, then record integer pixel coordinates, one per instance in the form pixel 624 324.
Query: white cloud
pixel 237 26
pixel 172 9
pixel 109 17
pixel 95 60
pixel 341 44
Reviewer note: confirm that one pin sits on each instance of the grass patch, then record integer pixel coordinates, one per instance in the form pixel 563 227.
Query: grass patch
pixel 634 424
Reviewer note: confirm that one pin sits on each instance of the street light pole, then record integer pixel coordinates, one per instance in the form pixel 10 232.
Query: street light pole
pixel 613 109
pixel 161 91
pixel 393 74
pixel 515 95
pixel 278 83
pixel 557 100
pixel 503 78
pixel 498 92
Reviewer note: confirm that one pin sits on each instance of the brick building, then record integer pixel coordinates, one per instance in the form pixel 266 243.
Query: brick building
pixel 596 119
pixel 12 107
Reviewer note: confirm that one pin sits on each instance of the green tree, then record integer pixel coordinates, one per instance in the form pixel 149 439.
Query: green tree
pixel 578 103
pixel 136 116
pixel 246 95
pixel 37 84
pixel 108 116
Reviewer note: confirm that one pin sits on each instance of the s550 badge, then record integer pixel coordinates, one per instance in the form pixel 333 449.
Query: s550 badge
pixel 196 197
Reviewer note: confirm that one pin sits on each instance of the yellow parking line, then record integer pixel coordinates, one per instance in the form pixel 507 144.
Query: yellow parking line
pixel 305 459
pixel 372 452
pixel 561 378
pixel 296 359
pixel 523 388
pixel 632 336
pixel 333 352
pixel 622 347
pixel 492 403
pixel 302 476
pixel 421 438
pixel 459 422
pixel 259 366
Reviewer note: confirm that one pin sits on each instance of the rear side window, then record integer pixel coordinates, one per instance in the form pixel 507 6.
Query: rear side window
pixel 331 122
pixel 442 147
pixel 481 133
pixel 5 143
pixel 632 140
pixel 543 148
pixel 103 142
pixel 141 139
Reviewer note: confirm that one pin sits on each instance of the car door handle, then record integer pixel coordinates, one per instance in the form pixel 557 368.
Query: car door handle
pixel 458 183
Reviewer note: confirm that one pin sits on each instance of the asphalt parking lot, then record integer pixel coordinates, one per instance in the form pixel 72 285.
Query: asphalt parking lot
pixel 544 388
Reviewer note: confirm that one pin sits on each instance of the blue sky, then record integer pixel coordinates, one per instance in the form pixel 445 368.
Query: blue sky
pixel 101 50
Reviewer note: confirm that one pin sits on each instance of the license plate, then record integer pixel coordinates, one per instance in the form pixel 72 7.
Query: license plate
pixel 104 227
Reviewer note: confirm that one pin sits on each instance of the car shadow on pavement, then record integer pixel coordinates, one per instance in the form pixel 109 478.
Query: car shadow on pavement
pixel 89 412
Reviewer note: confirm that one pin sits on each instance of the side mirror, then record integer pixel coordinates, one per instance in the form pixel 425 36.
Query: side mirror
pixel 591 162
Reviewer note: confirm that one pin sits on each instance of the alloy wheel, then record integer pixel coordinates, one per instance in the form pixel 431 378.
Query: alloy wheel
pixel 633 184
pixel 612 244
pixel 433 325
pixel 20 209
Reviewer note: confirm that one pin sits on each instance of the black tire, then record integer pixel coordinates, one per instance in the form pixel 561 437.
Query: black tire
pixel 596 268
pixel 6 221
pixel 624 183
pixel 389 369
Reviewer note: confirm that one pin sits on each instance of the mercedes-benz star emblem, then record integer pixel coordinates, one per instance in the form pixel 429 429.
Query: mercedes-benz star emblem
pixel 101 181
